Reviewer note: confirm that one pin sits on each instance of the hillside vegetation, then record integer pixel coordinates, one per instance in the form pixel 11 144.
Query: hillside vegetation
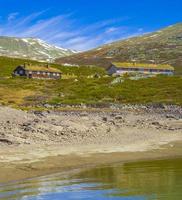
pixel 161 47
pixel 80 86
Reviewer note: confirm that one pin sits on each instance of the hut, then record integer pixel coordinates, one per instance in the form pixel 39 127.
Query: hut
pixel 39 72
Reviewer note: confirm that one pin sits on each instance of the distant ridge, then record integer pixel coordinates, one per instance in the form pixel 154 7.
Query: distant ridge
pixel 31 48
pixel 163 46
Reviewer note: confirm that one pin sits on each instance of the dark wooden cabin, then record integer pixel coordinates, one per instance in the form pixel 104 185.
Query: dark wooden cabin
pixel 39 72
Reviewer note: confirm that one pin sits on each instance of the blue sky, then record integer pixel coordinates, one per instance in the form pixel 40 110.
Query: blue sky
pixel 85 24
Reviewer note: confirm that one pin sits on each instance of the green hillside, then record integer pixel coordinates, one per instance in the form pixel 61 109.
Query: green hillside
pixel 80 85
pixel 161 47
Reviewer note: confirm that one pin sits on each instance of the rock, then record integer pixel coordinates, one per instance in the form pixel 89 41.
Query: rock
pixel 27 129
pixel 118 117
pixel 73 131
pixel 171 129
pixel 39 113
pixel 26 124
pixel 48 106
pixel 156 123
pixel 83 114
pixel 26 142
pixel 112 122
pixel 108 129
pixel 157 106
pixel 57 133
pixel 112 114
pixel 104 119
pixel 36 120
pixel 171 116
pixel 6 141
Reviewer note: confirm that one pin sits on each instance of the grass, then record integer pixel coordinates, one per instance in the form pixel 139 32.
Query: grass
pixel 80 87
pixel 7 65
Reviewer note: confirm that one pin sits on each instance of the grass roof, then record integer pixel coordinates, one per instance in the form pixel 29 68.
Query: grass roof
pixel 42 68
pixel 143 66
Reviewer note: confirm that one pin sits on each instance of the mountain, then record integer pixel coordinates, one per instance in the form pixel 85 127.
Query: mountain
pixel 31 48
pixel 163 46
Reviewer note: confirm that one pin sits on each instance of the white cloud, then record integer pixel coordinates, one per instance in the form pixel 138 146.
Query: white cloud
pixel 111 30
pixel 12 16
pixel 63 30
pixel 140 30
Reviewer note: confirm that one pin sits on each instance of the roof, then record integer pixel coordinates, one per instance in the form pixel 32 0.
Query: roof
pixel 41 68
pixel 143 66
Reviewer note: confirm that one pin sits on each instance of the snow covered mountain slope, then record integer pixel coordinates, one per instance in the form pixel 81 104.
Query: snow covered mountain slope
pixel 31 48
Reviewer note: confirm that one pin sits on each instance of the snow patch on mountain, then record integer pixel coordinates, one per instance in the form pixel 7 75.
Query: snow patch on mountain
pixel 31 48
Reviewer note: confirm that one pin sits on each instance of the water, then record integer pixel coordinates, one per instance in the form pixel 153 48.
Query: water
pixel 152 180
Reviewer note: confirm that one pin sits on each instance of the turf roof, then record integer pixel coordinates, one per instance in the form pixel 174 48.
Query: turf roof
pixel 143 66
pixel 42 68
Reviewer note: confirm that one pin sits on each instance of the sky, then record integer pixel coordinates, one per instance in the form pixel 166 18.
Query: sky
pixel 85 24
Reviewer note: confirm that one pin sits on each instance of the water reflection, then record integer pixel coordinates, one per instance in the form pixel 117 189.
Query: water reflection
pixel 153 180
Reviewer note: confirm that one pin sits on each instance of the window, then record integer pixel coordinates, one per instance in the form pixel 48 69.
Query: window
pixel 38 72
pixel 21 72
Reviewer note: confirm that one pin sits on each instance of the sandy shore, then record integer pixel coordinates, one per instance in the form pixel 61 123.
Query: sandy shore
pixel 38 143
pixel 27 163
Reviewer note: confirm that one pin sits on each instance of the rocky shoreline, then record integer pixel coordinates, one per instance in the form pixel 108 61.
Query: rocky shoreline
pixel 86 127
pixel 35 143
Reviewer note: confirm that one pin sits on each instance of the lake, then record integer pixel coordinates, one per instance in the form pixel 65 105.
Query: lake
pixel 147 180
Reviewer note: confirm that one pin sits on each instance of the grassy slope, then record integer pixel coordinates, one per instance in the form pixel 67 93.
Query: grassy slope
pixel 164 47
pixel 76 88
